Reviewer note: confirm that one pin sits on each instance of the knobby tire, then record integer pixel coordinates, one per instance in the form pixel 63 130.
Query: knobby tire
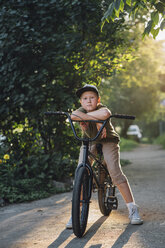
pixel 80 207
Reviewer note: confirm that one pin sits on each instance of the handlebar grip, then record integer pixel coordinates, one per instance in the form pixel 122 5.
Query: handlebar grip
pixel 130 117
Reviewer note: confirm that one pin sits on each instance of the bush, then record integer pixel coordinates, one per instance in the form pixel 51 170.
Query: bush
pixel 14 187
pixel 160 140
pixel 28 174
pixel 127 145
pixel 25 190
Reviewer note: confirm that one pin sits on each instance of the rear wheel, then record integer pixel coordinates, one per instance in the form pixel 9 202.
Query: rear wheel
pixel 80 202
pixel 105 192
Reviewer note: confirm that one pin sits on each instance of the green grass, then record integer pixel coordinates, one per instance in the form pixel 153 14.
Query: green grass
pixel 127 145
pixel 124 162
pixel 160 140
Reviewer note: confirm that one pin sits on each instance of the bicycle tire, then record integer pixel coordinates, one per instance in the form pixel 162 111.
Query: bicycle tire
pixel 106 190
pixel 80 208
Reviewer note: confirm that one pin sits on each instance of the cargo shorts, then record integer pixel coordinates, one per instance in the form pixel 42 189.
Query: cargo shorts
pixel 111 153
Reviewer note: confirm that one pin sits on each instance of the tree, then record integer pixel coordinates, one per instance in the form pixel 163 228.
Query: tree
pixel 155 9
pixel 136 90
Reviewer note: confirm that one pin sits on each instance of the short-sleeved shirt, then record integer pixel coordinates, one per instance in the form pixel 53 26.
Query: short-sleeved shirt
pixel 91 132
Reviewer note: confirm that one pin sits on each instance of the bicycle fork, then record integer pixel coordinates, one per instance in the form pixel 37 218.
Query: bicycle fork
pixel 85 163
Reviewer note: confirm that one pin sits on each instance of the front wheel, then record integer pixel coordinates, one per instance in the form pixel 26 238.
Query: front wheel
pixel 80 202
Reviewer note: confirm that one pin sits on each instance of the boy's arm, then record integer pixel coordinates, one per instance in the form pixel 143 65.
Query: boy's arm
pixel 100 114
pixel 78 115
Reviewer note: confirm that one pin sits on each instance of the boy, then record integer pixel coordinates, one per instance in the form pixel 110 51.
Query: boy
pixel 91 108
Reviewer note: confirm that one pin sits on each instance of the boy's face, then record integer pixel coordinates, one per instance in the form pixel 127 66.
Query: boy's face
pixel 89 101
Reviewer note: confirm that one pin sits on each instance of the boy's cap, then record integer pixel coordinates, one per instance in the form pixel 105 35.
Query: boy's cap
pixel 87 87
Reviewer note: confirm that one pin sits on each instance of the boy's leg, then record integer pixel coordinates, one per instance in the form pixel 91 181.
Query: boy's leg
pixel 112 159
pixel 126 192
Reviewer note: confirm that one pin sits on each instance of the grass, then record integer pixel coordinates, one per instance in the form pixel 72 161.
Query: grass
pixel 160 140
pixel 127 145
pixel 124 162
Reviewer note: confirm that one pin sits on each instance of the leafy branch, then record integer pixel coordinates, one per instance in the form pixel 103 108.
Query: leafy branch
pixel 155 22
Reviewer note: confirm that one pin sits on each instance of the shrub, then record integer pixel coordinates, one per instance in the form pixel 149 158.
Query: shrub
pixel 127 145
pixel 160 140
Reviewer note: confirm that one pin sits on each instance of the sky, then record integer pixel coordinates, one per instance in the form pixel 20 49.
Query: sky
pixel 161 35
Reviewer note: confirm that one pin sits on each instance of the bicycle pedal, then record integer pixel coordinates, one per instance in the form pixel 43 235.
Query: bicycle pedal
pixel 112 202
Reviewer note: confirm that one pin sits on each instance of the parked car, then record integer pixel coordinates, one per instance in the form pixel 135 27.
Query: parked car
pixel 2 138
pixel 134 132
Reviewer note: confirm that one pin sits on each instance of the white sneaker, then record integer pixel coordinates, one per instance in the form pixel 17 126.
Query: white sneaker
pixel 134 216
pixel 69 224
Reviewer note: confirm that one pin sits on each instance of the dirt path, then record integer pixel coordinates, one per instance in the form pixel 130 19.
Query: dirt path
pixel 41 224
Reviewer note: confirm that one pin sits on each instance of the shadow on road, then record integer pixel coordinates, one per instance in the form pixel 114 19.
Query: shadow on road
pixel 125 236
pixel 77 242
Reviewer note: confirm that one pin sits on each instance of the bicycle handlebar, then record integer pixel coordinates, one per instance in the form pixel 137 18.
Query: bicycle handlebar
pixel 98 121
pixel 130 117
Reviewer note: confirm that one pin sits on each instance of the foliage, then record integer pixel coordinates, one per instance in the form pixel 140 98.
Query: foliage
pixel 26 190
pixel 156 9
pixel 16 188
pixel 136 89
pixel 127 145
pixel 160 140
pixel 124 162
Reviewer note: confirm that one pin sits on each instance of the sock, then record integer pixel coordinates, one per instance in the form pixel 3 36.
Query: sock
pixel 130 206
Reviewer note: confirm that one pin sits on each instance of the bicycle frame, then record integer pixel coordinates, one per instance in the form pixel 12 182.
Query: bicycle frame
pixel 99 162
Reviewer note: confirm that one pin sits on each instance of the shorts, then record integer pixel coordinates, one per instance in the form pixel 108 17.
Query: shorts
pixel 111 153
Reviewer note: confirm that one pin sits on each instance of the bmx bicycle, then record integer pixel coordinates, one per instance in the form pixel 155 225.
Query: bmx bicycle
pixel 91 177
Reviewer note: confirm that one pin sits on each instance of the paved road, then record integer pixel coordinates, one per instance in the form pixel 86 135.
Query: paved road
pixel 41 224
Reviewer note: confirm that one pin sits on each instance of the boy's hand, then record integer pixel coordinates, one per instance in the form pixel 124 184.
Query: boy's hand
pixel 84 125
pixel 104 132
